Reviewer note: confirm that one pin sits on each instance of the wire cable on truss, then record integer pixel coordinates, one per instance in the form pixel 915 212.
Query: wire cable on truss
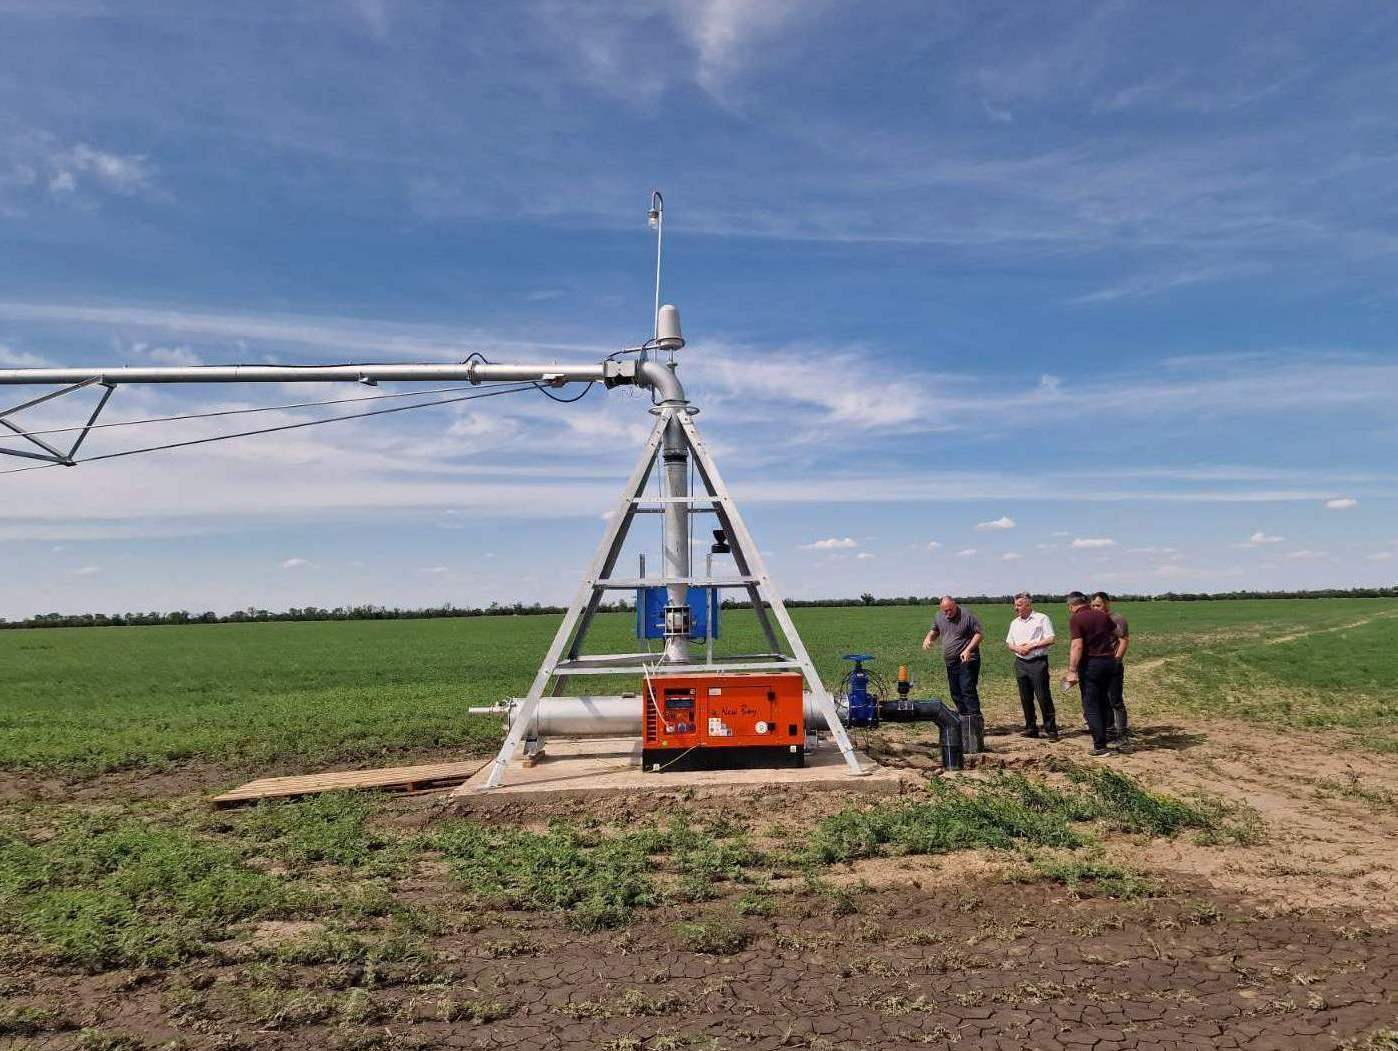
pixel 542 388
pixel 243 412
pixel 513 389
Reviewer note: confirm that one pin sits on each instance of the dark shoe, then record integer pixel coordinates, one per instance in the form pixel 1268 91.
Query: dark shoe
pixel 1052 733
pixel 1098 752
pixel 1029 733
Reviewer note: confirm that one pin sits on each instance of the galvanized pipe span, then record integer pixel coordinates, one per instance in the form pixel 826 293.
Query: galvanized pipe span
pixel 658 377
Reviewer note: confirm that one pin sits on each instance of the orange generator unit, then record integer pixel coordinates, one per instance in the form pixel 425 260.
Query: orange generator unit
pixel 722 721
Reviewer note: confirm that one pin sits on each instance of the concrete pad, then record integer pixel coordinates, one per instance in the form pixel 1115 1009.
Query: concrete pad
pixel 609 767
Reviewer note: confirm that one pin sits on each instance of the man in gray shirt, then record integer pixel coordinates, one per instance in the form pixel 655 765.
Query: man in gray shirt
pixel 961 634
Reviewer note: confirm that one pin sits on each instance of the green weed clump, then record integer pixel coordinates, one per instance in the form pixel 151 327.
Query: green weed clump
pixel 335 945
pixel 112 892
pixel 1384 1039
pixel 1011 810
pixel 597 880
pixel 634 1003
pixel 478 1009
pixel 1126 806
pixel 945 819
pixel 1088 877
pixel 20 1020
pixel 325 829
pixel 712 936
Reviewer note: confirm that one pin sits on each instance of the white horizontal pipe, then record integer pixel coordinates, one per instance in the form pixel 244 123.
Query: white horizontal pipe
pixel 652 374
pixel 472 372
pixel 605 716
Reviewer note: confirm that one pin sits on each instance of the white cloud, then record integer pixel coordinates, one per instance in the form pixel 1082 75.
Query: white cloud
pixel 121 173
pixel 1307 554
pixel 725 33
pixel 85 571
pixel 398 340
pixel 932 545
pixel 864 554
pixel 295 563
pixel 1150 550
pixel 19 359
pixel 1090 542
pixel 170 355
pixel 434 570
pixel 1342 503
pixel 1003 522
pixel 62 182
pixel 1011 556
pixel 833 543
pixel 1258 538
pixel 1381 556
pixel 966 552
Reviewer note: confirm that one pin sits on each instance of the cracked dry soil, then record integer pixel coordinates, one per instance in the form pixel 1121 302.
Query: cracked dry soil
pixel 993 966
pixel 1238 950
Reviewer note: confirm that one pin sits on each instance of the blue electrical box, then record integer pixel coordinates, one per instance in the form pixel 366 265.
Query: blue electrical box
pixel 650 612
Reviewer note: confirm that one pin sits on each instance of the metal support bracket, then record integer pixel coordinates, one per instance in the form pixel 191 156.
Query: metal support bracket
pixel 49 453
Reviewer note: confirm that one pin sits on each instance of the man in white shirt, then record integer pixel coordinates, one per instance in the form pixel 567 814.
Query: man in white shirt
pixel 1029 639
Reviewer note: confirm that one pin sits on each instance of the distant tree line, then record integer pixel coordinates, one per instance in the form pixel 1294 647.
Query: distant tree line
pixel 495 609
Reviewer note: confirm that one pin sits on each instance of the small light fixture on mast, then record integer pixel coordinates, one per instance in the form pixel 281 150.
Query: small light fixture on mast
pixel 665 333
pixel 656 216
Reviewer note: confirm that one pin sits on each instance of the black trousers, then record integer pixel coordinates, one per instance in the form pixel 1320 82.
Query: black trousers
pixel 1032 678
pixel 963 678
pixel 1117 698
pixel 1095 676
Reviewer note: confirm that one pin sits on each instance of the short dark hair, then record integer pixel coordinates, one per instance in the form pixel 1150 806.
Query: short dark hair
pixel 1076 598
pixel 1102 595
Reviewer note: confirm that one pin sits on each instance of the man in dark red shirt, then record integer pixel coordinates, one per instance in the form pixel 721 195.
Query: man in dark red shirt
pixel 1092 663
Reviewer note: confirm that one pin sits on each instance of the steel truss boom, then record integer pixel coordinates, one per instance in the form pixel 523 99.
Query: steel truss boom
pixel 661 379
pixel 673 444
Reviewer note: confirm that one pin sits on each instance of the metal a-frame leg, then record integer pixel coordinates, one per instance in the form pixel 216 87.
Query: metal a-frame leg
pixel 579 615
pixel 766 590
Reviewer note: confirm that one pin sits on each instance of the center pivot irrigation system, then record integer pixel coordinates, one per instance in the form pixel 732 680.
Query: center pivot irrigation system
pixel 756 709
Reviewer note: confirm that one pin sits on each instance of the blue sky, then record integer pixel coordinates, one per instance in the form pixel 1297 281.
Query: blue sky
pixel 979 296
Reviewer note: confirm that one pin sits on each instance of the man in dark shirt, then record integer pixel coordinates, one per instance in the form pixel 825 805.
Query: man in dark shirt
pixel 1101 600
pixel 1092 663
pixel 961 634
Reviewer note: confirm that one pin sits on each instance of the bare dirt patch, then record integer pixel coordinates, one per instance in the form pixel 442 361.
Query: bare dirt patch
pixel 969 964
pixel 1329 813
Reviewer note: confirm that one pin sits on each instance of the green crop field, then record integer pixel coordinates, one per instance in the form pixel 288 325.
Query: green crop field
pixel 90 700
pixel 133 916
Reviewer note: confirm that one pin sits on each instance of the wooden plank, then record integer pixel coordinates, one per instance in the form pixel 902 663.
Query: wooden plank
pixel 401 778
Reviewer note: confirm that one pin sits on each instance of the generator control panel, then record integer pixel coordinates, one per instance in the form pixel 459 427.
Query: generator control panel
pixel 719 720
